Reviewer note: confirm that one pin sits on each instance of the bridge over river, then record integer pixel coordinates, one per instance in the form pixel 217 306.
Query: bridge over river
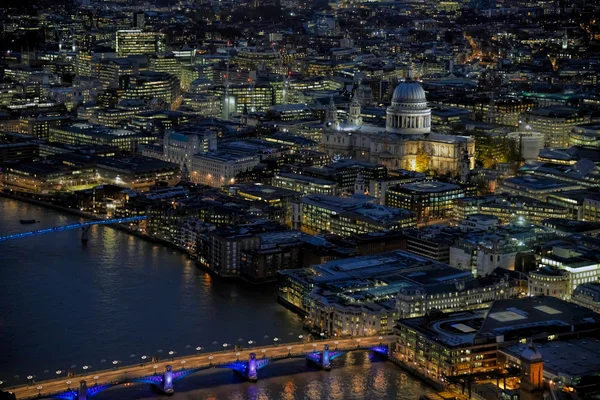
pixel 84 226
pixel 164 373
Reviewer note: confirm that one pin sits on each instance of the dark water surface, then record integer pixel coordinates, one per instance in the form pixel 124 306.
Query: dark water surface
pixel 118 297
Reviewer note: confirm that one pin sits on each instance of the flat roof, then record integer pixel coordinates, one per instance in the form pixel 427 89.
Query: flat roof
pixel 572 358
pixel 531 182
pixel 306 178
pixel 428 187
pixel 504 321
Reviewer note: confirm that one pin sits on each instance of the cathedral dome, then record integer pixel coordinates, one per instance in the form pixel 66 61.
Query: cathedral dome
pixel 408 113
pixel 409 92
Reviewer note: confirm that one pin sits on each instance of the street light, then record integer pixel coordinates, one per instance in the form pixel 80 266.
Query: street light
pixel 300 337
pixel 39 388
pixel 182 363
pixel 198 349
pixel 225 346
pixel 144 358
pixel 58 372
pixel 30 377
pixel 86 367
pixel 238 355
pixel 250 343
pixel 155 368
pixel 275 340
pixel 289 350
pixel 115 362
pixel 322 335
pixel 68 384
pixel 96 379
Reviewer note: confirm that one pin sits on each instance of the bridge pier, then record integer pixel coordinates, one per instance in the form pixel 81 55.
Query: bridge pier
pixel 167 382
pixel 82 392
pixel 252 368
pixel 382 350
pixel 325 361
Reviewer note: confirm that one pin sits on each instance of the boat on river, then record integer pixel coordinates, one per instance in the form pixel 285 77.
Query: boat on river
pixel 28 221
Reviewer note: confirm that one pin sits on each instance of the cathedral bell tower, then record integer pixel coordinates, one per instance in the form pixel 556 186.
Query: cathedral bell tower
pixel 331 118
pixel 354 117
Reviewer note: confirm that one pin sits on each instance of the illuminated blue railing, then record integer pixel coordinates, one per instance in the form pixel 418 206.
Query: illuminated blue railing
pixel 381 349
pixel 71 227
pixel 97 389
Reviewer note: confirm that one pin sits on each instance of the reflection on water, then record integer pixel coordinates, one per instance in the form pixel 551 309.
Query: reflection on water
pixel 291 380
pixel 64 303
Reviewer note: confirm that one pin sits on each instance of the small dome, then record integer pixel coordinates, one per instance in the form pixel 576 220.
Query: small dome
pixel 409 92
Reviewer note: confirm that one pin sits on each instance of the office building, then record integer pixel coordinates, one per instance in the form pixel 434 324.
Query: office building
pixel 218 168
pixel 95 135
pixel 508 208
pixel 326 293
pixel 585 135
pixel 554 122
pixel 180 145
pixel 538 188
pixel 305 184
pixel 116 73
pixel 429 200
pixel 581 265
pixel 587 295
pixel 469 342
pixel 136 42
pixel 154 86
pixel 347 216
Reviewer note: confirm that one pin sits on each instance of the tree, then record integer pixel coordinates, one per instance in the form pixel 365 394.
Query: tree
pixel 422 161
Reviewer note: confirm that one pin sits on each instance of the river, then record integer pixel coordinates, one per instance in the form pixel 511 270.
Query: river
pixel 65 305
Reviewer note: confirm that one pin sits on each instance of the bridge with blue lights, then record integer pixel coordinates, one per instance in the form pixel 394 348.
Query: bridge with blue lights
pixel 84 226
pixel 245 364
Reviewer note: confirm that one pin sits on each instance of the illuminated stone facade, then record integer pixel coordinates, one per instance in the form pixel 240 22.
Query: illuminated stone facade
pixel 407 141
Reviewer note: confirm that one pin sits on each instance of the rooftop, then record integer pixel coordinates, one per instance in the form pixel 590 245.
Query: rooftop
pixel 427 187
pixel 505 321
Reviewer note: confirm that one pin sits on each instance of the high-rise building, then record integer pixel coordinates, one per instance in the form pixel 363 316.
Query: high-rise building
pixel 132 42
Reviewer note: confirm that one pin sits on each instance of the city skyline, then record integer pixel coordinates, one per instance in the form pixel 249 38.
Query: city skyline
pixel 300 199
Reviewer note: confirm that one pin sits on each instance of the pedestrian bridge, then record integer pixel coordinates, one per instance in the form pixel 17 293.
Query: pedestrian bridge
pixel 245 363
pixel 84 226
